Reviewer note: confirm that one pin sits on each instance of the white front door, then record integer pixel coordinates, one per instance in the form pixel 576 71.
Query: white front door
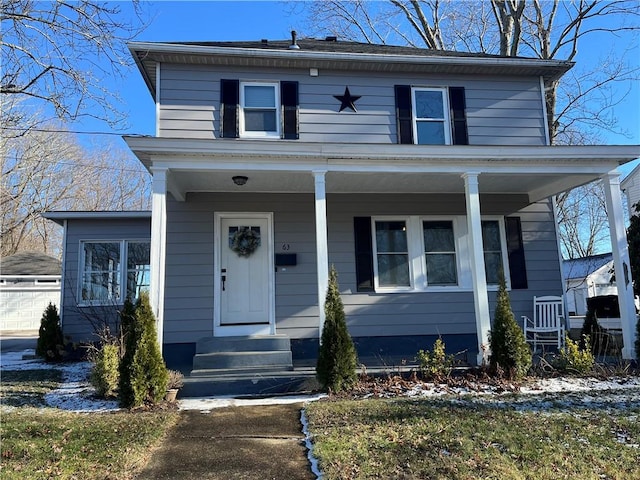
pixel 244 284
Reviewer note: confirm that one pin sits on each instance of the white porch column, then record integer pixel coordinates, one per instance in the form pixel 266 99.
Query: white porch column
pixel 621 262
pixel 322 249
pixel 476 252
pixel 158 243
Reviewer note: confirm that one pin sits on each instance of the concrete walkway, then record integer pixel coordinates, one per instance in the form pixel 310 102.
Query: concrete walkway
pixel 257 442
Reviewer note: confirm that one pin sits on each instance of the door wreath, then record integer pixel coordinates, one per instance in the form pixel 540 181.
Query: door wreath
pixel 245 241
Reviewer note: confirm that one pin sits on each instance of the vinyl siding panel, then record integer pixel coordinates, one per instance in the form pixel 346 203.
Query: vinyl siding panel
pixel 189 295
pixel 76 320
pixel 500 110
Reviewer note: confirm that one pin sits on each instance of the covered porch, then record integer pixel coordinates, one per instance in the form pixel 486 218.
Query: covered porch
pixel 478 176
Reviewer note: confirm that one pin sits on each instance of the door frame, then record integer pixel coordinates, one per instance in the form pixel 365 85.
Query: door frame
pixel 267 241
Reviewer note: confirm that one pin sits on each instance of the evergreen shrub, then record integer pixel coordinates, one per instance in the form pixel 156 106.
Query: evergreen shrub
pixel 435 363
pixel 50 343
pixel 337 358
pixel 510 352
pixel 592 332
pixel 105 374
pixel 143 374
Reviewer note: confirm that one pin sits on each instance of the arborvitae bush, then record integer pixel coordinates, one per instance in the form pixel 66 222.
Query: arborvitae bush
pixel 50 340
pixel 143 374
pixel 337 359
pixel 509 349
pixel 592 332
pixel 104 374
pixel 435 363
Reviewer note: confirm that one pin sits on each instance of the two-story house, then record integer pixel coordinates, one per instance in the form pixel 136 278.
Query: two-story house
pixel 418 174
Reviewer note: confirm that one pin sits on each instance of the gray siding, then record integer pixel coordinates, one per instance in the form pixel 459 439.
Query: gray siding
pixel 190 269
pixel 78 322
pixel 500 110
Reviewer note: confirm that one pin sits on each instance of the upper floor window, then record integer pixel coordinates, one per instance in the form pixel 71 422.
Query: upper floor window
pixel 431 116
pixel 259 109
pixel 260 104
pixel 102 276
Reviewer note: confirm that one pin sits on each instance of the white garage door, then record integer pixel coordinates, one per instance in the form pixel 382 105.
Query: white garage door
pixel 22 309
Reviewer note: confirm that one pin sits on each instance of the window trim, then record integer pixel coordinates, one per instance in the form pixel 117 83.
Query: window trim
pixel 123 271
pixel 410 260
pixel 417 262
pixel 446 120
pixel 277 109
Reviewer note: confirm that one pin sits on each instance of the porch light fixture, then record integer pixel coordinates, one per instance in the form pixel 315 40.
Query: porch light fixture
pixel 239 180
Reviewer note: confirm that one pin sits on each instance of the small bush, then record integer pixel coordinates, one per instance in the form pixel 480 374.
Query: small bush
pixel 105 374
pixel 592 331
pixel 574 359
pixel 50 344
pixel 143 374
pixel 337 359
pixel 510 352
pixel 436 363
pixel 176 379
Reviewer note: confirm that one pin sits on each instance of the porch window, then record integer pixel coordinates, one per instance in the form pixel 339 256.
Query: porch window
pixel 260 110
pixel 431 116
pixel 103 280
pixel 420 253
pixel 440 252
pixel 392 254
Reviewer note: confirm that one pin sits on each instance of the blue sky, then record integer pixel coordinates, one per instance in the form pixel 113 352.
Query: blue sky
pixel 249 20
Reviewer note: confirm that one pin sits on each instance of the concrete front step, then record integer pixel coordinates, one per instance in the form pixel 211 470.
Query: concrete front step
pixel 221 372
pixel 256 383
pixel 275 360
pixel 243 344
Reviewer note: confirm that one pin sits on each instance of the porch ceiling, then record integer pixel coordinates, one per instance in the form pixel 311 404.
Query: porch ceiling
pixel 536 186
pixel 537 171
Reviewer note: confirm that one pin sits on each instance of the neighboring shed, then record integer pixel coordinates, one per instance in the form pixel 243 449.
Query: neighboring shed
pixel 587 277
pixel 28 282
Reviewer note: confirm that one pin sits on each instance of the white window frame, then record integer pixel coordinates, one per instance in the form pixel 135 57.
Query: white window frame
pixel 416 251
pixel 410 260
pixel 277 107
pixel 445 120
pixel 123 277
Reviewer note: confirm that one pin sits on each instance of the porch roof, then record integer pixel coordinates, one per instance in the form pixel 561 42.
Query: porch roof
pixel 536 171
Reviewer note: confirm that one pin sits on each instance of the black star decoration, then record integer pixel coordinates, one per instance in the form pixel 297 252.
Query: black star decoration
pixel 347 100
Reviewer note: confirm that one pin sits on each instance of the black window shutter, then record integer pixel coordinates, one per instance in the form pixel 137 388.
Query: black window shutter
pixel 364 254
pixel 229 100
pixel 515 250
pixel 457 104
pixel 289 99
pixel 403 113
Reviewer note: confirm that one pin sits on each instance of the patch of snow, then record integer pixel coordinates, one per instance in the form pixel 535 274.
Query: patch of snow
pixel 206 404
pixel 308 440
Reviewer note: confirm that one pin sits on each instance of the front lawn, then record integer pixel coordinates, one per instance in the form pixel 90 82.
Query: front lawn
pixel 438 439
pixel 45 443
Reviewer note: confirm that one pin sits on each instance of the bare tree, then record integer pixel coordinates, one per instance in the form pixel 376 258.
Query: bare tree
pixel 47 169
pixel 54 54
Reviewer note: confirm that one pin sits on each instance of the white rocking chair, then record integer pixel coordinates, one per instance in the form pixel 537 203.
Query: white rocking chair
pixel 548 324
